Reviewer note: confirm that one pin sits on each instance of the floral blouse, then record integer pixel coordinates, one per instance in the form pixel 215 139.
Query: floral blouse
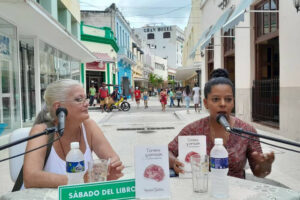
pixel 239 148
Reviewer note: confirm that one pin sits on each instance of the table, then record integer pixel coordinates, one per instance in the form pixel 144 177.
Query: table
pixel 181 189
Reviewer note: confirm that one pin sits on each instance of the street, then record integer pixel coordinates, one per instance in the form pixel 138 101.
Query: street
pixel 151 126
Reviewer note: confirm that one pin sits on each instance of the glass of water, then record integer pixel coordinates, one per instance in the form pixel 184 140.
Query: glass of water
pixel 98 170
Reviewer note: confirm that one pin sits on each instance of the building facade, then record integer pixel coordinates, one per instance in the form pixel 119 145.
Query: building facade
pixel 113 18
pixel 100 41
pixel 164 41
pixel 39 44
pixel 254 42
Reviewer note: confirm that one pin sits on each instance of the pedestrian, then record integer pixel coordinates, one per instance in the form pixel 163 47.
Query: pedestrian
pixel 171 95
pixel 92 94
pixel 196 97
pixel 187 94
pixel 219 98
pixel 178 96
pixel 163 99
pixel 137 96
pixel 145 97
pixel 103 96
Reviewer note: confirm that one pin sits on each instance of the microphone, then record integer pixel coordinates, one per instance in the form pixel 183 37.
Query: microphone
pixel 61 114
pixel 221 119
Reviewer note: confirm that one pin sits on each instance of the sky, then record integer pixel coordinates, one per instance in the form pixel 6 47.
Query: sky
pixel 142 12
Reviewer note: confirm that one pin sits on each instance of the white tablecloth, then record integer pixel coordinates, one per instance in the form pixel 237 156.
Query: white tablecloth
pixel 181 189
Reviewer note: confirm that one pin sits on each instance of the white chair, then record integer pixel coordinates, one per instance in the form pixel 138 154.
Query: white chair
pixel 15 164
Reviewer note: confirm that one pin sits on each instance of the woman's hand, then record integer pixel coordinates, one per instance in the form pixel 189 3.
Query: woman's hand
pixel 264 163
pixel 177 166
pixel 115 169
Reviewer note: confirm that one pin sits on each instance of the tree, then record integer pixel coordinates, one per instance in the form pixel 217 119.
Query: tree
pixel 153 80
pixel 160 81
pixel 171 82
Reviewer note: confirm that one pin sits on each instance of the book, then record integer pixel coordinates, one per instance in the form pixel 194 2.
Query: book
pixel 188 146
pixel 152 172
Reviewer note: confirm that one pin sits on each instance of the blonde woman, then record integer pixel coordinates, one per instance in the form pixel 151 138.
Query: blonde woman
pixel 78 128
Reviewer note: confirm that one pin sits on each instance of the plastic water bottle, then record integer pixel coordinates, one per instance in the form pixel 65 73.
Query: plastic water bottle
pixel 75 165
pixel 219 170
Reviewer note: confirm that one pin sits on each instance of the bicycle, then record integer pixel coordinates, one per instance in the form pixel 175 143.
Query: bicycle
pixel 122 104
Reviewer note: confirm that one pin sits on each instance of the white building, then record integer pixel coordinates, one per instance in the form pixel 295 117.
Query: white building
pixel 160 67
pixel 258 42
pixel 164 41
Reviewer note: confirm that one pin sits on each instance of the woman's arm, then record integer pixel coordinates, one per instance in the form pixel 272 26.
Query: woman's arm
pixel 33 174
pixel 103 149
pixel 260 164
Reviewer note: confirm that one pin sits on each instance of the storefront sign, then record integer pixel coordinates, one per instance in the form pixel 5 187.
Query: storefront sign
pixel 157 29
pixel 124 189
pixel 152 172
pixel 95 66
pixel 4 45
pixel 223 4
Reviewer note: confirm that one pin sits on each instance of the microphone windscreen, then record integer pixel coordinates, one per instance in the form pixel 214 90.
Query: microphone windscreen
pixel 61 109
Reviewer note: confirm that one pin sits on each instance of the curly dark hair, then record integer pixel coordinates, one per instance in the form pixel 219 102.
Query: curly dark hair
pixel 218 76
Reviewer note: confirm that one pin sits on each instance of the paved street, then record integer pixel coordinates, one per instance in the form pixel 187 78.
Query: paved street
pixel 151 126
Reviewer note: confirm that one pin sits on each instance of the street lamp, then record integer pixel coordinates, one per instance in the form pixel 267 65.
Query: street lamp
pixel 297 5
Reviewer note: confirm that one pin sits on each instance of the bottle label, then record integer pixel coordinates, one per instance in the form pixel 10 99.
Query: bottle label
pixel 219 163
pixel 74 167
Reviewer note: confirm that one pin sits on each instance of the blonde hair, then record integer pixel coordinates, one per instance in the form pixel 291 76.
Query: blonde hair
pixel 56 91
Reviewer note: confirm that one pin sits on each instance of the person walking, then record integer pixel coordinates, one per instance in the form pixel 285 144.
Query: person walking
pixel 145 97
pixel 163 100
pixel 137 96
pixel 103 96
pixel 171 95
pixel 196 97
pixel 178 96
pixel 187 97
pixel 92 94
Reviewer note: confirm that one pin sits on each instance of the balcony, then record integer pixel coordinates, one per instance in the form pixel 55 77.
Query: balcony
pixel 126 55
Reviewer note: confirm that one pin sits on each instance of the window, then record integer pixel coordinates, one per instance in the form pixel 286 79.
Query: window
pixel 229 44
pixel 150 36
pixel 267 22
pixel 167 35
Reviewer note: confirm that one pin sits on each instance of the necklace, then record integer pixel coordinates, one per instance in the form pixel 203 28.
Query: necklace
pixel 61 146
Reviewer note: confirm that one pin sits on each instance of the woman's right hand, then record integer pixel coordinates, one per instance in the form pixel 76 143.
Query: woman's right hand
pixel 177 166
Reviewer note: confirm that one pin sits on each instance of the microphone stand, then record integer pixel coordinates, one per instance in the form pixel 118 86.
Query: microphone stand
pixel 46 132
pixel 239 131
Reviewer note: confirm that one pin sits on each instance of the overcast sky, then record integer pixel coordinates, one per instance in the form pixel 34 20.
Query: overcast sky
pixel 142 12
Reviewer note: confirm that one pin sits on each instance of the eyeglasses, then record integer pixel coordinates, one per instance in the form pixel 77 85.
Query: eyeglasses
pixel 81 100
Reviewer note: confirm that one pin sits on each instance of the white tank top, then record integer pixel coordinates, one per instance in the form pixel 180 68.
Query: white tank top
pixel 56 165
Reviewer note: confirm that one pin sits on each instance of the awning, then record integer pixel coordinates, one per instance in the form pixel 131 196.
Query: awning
pixel 184 73
pixel 221 21
pixel 238 15
pixel 31 20
pixel 104 57
pixel 193 53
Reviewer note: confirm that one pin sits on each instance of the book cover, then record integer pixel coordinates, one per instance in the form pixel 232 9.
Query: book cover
pixel 188 146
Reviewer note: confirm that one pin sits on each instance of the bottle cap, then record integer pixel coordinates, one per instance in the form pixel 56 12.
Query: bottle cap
pixel 74 145
pixel 218 140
